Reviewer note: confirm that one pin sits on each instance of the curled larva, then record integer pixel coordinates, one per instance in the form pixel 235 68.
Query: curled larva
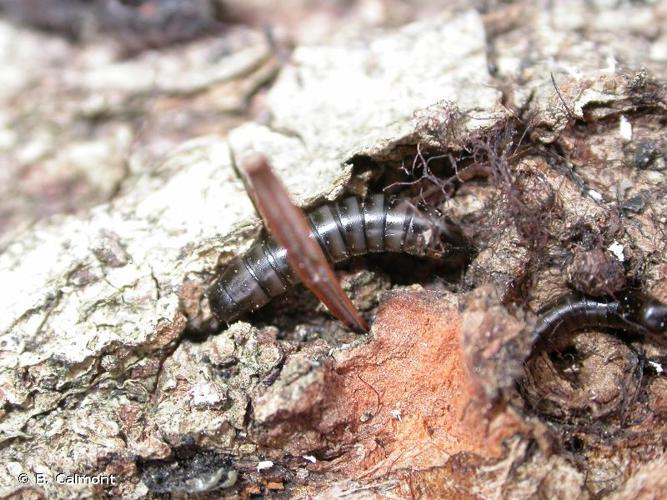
pixel 631 311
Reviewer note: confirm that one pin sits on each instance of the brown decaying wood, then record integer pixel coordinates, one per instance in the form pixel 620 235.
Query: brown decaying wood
pixel 290 229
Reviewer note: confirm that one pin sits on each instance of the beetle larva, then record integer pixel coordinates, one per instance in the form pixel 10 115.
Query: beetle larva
pixel 632 311
pixel 290 228
pixel 344 229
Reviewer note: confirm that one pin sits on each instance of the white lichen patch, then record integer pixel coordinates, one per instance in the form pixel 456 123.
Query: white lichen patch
pixel 264 465
pixel 616 249
pixel 657 367
pixel 205 394
pixel 625 128
pixel 594 195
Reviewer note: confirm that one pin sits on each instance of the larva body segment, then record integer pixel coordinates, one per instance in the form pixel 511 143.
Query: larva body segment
pixel 633 312
pixel 343 229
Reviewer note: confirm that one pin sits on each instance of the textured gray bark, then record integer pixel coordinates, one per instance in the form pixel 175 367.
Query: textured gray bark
pixel 95 376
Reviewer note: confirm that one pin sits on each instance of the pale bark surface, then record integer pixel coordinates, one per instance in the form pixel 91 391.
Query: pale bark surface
pixel 121 200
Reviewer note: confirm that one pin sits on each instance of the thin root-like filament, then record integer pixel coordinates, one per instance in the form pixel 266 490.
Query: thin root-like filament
pixel 289 228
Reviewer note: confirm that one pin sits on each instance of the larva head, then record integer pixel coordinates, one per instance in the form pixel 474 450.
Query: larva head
pixel 644 310
pixel 435 235
pixel 654 316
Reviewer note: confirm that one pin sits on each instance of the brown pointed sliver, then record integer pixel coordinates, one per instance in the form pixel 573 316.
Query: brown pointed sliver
pixel 289 227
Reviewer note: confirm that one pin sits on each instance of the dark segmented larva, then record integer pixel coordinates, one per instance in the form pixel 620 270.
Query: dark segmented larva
pixel 344 229
pixel 632 311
